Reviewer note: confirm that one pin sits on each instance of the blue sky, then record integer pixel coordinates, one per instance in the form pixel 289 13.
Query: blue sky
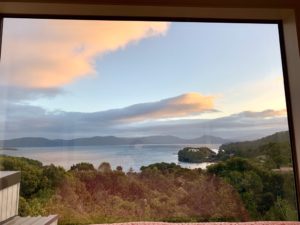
pixel 193 57
pixel 208 71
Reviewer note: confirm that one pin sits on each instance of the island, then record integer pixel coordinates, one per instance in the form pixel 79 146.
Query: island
pixel 196 155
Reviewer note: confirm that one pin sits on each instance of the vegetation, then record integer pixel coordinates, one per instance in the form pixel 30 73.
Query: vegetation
pixel 82 167
pixel 160 192
pixel 246 183
pixel 274 150
pixel 263 192
pixel 196 155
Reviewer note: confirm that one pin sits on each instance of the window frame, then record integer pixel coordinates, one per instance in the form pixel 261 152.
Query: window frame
pixel 284 17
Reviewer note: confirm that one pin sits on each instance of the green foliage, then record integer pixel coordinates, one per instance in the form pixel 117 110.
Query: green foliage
pixel 196 155
pixel 162 167
pixel 83 166
pixel 265 186
pixel 282 210
pixel 54 175
pixel 259 188
pixel 32 207
pixel 38 182
pixel 272 152
pixel 249 146
pixel 277 154
pixel 31 173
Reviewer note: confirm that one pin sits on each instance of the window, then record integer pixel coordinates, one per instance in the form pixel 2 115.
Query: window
pixel 132 117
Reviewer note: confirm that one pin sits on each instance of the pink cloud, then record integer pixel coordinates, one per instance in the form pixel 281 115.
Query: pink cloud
pixel 52 53
pixel 185 105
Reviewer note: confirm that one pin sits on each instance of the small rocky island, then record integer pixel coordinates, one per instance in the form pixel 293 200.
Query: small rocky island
pixel 196 155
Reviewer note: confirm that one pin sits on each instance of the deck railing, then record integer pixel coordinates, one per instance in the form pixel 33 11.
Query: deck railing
pixel 9 194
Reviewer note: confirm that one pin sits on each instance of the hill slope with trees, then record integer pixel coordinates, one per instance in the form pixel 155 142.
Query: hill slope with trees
pixel 274 150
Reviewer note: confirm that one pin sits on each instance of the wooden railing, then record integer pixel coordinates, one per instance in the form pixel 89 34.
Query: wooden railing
pixel 9 194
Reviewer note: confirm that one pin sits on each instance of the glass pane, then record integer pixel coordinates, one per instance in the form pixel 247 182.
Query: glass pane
pixel 116 121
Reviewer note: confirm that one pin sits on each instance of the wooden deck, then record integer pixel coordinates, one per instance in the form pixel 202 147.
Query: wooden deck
pixel 49 220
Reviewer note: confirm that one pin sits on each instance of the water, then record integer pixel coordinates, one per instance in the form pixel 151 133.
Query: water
pixel 127 156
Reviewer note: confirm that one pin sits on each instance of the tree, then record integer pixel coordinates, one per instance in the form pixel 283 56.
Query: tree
pixel 83 166
pixel 278 154
pixel 130 171
pixel 257 187
pixel 119 169
pixel 31 173
pixel 55 175
pixel 104 167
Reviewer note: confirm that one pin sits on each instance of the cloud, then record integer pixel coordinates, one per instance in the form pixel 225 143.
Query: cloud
pixel 262 114
pixel 35 119
pixel 180 106
pixel 21 94
pixel 19 120
pixel 244 125
pixel 51 53
pixel 176 107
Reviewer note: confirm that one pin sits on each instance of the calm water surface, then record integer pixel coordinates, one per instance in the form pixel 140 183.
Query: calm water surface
pixel 127 156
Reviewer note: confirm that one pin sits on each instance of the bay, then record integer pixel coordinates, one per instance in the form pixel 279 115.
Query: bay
pixel 127 156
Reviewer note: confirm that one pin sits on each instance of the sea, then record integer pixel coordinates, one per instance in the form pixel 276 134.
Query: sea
pixel 127 156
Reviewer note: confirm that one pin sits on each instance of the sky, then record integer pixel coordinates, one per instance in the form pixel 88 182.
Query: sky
pixel 76 78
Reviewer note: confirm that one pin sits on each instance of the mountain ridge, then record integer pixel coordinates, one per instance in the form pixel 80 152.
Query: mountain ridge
pixel 109 140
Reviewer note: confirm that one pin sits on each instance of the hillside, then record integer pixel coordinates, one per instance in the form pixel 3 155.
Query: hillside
pixel 88 196
pixel 274 150
pixel 237 147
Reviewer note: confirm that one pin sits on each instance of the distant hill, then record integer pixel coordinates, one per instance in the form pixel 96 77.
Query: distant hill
pixel 109 140
pixel 255 148
pixel 209 139
pixel 277 137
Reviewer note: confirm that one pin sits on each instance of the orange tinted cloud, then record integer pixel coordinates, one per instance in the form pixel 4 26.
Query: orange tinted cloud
pixel 52 53
pixel 185 105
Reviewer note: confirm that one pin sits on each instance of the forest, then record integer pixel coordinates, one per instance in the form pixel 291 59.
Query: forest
pixel 245 184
